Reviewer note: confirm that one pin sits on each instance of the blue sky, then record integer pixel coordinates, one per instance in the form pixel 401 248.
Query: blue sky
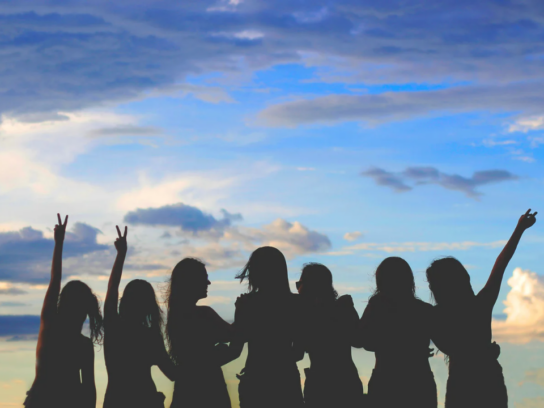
pixel 341 132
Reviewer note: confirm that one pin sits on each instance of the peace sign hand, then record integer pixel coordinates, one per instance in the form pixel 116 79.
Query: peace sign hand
pixel 527 220
pixel 121 241
pixel 60 229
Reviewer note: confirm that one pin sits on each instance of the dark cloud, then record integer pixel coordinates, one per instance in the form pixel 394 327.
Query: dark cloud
pixel 385 178
pixel 397 106
pixel 19 325
pixel 61 56
pixel 187 217
pixel 431 175
pixel 25 255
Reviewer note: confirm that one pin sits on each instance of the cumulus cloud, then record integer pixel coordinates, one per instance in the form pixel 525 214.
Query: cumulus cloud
pixel 69 55
pixel 187 217
pixel 25 255
pixel 292 238
pixel 375 109
pixel 524 309
pixel 352 236
pixel 430 175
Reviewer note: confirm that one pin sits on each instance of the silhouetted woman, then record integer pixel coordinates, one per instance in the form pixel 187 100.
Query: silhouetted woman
pixel 330 325
pixel 64 356
pixel 396 326
pixel 133 340
pixel 193 333
pixel 462 327
pixel 268 319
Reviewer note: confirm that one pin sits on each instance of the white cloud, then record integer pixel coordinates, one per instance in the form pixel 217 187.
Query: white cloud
pixel 391 247
pixel 524 309
pixel 527 124
pixel 352 236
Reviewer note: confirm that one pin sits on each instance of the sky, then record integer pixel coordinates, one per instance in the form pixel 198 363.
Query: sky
pixel 341 132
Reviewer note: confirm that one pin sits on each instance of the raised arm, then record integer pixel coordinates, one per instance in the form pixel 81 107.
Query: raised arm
pixel 112 297
pixel 490 292
pixel 49 308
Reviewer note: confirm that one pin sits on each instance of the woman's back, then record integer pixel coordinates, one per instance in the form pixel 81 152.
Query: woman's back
pixel 270 325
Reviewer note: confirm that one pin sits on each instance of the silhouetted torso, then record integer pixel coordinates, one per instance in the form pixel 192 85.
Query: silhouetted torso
pixel 130 352
pixel 399 334
pixel 60 356
pixel 463 332
pixel 200 381
pixel 332 380
pixel 270 324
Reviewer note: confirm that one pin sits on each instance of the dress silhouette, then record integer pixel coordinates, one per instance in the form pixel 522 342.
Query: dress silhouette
pixel 133 340
pixel 396 326
pixel 462 327
pixel 196 337
pixel 64 356
pixel 268 318
pixel 330 325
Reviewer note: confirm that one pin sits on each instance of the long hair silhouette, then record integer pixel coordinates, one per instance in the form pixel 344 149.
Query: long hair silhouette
pixel 462 327
pixel 268 318
pixel 396 326
pixel 65 369
pixel 133 340
pixel 193 333
pixel 266 270
pixel 394 277
pixel 329 326
pixel 77 302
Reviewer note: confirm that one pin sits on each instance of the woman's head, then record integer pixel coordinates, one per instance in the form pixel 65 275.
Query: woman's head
pixel 266 271
pixel 188 283
pixel 316 281
pixel 139 305
pixel 449 281
pixel 77 302
pixel 395 279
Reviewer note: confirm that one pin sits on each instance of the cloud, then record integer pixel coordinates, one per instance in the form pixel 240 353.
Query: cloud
pixel 535 377
pixel 292 238
pixel 69 55
pixel 527 124
pixel 352 236
pixel 126 130
pixel 19 325
pixel 391 247
pixel 430 175
pixel 524 309
pixel 537 402
pixel 25 255
pixel 187 217
pixel 387 107
pixel 386 179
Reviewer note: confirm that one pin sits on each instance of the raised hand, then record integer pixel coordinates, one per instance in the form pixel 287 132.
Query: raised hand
pixel 60 229
pixel 121 241
pixel 527 220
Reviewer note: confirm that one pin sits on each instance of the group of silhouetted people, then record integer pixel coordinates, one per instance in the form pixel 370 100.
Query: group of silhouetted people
pixel 279 328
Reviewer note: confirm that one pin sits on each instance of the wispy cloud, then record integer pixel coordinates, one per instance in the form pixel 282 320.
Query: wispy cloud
pixel 392 247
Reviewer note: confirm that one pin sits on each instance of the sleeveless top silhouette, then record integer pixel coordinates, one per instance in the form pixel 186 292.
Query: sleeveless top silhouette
pixel 464 334
pixel 130 352
pixel 199 378
pixel 400 336
pixel 270 324
pixel 57 383
pixel 332 380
